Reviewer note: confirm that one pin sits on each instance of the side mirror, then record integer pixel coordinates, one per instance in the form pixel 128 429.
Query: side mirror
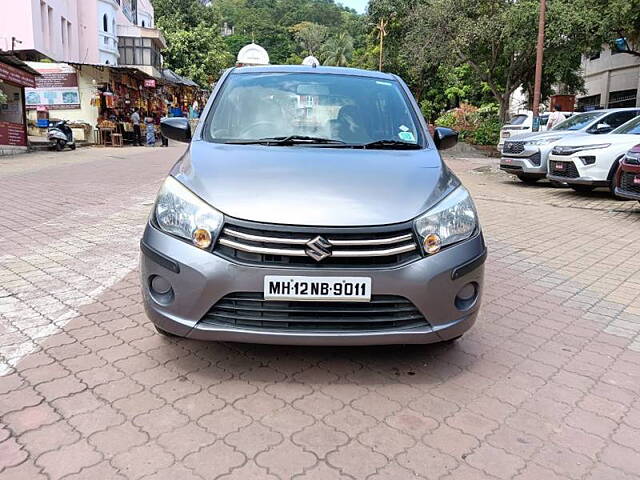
pixel 445 138
pixel 176 128
pixel 603 128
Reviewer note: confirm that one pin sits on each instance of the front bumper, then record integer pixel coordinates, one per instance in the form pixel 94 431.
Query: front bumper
pixel 531 161
pixel 625 182
pixel 594 174
pixel 200 279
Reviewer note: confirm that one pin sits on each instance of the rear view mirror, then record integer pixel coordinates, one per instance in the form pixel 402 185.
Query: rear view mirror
pixel 176 128
pixel 445 138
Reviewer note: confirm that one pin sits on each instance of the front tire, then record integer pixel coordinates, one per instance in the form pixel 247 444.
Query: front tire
pixel 529 180
pixel 583 188
pixel 59 145
pixel 72 146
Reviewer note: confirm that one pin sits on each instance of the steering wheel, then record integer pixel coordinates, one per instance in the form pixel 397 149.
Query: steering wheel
pixel 256 125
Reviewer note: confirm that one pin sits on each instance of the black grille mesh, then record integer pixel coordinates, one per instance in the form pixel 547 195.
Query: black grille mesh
pixel 250 310
pixel 569 170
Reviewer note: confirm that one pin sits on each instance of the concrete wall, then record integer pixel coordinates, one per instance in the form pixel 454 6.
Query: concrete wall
pixel 48 26
pixel 611 73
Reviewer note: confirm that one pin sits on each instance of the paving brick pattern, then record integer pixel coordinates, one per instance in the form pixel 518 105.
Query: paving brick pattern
pixel 546 385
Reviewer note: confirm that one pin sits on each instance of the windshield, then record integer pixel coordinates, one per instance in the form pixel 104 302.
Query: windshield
pixel 344 109
pixel 578 122
pixel 632 127
pixel 518 120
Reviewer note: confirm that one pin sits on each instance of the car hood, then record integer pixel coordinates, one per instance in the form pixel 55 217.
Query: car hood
pixel 547 134
pixel 612 138
pixel 315 186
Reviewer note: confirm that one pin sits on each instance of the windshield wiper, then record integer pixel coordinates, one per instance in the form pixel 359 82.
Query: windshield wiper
pixel 288 140
pixel 390 144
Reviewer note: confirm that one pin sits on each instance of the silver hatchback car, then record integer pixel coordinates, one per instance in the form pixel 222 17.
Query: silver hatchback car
pixel 312 207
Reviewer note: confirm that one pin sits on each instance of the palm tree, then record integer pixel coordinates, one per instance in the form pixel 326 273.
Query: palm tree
pixel 337 50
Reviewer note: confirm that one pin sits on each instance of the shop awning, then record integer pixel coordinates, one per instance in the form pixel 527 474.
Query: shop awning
pixel 14 70
pixel 170 76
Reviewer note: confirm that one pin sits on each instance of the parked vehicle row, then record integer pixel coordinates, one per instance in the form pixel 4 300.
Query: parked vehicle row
pixel 584 151
pixel 522 123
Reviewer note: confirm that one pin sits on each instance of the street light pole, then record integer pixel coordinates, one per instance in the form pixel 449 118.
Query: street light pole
pixel 539 57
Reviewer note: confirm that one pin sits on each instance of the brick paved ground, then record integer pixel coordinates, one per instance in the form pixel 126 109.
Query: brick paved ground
pixel 545 386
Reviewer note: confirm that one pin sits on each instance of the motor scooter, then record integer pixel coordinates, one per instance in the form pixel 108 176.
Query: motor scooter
pixel 60 135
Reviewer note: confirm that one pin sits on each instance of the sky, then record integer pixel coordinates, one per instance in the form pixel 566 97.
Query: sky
pixel 359 5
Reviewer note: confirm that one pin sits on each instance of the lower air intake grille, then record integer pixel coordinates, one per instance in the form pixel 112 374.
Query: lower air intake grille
pixel 627 182
pixel 249 310
pixel 569 169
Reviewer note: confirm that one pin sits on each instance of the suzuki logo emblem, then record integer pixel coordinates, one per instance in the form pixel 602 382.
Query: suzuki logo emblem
pixel 319 248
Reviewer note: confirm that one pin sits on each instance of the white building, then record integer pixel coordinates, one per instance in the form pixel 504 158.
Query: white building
pixel 105 32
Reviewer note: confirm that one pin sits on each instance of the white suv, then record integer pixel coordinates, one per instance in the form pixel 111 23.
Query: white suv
pixel 591 161
pixel 523 123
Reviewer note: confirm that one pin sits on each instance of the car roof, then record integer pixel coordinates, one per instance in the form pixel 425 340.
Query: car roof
pixel 315 70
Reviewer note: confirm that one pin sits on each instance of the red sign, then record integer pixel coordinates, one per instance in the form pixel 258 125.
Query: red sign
pixel 12 74
pixel 13 134
pixel 150 82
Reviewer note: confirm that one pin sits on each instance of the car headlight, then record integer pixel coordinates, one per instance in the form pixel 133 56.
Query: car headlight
pixel 181 213
pixel 543 141
pixel 570 150
pixel 452 220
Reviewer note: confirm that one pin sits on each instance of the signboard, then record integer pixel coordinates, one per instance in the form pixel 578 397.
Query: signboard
pixel 56 88
pixel 13 134
pixel 12 74
pixel 150 82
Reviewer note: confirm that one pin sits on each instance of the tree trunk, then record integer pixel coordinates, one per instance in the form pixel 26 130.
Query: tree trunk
pixel 503 102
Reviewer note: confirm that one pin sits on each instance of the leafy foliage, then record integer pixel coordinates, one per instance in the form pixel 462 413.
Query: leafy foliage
pixel 337 50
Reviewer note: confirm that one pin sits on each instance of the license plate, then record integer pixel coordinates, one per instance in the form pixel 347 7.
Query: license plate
pixel 636 180
pixel 559 166
pixel 506 134
pixel 330 289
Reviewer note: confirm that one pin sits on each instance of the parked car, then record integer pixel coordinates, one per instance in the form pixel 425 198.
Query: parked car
pixel 526 156
pixel 522 123
pixel 628 176
pixel 587 162
pixel 312 207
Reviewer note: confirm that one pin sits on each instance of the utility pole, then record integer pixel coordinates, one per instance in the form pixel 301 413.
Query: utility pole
pixel 539 58
pixel 382 32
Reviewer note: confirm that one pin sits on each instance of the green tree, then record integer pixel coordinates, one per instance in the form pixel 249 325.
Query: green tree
pixel 337 50
pixel 310 36
pixel 198 53
pixel 497 39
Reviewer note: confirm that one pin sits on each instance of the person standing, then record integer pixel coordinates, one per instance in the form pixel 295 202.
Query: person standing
pixel 150 130
pixel 555 117
pixel 137 134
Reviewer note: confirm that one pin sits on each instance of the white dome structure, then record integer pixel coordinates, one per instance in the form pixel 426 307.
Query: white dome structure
pixel 311 61
pixel 252 54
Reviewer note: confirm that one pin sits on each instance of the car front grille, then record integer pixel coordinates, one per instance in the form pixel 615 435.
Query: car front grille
pixel 251 311
pixel 314 247
pixel 513 147
pixel 569 171
pixel 627 182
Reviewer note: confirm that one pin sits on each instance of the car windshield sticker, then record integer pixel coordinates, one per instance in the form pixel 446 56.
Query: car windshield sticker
pixel 404 128
pixel 407 136
pixel 388 84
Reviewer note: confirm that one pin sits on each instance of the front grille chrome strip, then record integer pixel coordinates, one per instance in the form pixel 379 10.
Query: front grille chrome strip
pixel 301 253
pixel 302 241
pixel 261 250
pixel 261 238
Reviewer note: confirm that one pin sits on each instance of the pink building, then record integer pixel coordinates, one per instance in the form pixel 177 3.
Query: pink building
pixel 107 32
